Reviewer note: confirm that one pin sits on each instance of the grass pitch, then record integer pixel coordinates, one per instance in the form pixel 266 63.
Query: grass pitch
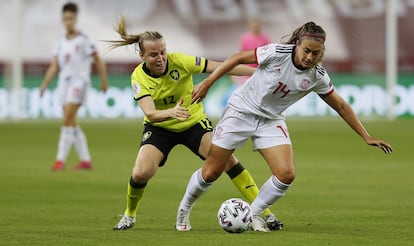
pixel 345 193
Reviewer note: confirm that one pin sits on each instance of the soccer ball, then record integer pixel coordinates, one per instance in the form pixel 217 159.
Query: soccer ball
pixel 234 215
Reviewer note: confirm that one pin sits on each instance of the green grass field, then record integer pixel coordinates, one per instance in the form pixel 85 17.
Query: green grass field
pixel 345 193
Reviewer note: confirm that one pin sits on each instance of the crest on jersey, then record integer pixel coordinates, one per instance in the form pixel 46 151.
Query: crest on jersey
pixel 198 61
pixel 305 84
pixel 277 70
pixel 264 49
pixel 146 136
pixel 175 75
pixel 136 87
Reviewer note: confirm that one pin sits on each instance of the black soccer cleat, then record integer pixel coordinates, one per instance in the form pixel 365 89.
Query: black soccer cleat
pixel 272 223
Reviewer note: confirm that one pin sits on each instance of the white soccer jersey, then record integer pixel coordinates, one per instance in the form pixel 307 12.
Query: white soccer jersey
pixel 74 58
pixel 277 83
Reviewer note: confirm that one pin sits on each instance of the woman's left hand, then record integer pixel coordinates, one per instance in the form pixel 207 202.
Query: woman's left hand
pixel 386 147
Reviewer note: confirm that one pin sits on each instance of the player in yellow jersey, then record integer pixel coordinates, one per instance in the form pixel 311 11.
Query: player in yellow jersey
pixel 163 88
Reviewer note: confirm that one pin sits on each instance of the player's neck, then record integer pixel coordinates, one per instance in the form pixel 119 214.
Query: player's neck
pixel 71 34
pixel 148 71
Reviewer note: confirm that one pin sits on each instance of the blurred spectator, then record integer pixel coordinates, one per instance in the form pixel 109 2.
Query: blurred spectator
pixel 249 40
pixel 254 37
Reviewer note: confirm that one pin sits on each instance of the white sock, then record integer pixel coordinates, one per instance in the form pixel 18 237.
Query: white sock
pixel 195 188
pixel 81 145
pixel 65 142
pixel 269 193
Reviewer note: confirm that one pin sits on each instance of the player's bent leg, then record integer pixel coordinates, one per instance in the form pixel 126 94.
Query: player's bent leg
pixel 199 183
pixel 146 165
pixel 280 161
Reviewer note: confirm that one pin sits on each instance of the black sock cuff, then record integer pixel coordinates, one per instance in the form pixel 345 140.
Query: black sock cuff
pixel 235 171
pixel 136 185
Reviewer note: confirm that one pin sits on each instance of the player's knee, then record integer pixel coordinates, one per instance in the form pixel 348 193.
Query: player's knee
pixel 69 120
pixel 142 175
pixel 286 175
pixel 211 173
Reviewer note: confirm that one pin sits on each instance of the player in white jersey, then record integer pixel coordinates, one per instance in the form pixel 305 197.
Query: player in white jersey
pixel 285 74
pixel 72 58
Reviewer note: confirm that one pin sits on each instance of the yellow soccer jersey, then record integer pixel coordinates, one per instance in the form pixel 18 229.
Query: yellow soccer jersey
pixel 168 89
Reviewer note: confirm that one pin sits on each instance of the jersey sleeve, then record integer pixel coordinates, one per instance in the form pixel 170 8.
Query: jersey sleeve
pixel 192 64
pixel 324 86
pixel 265 53
pixel 139 87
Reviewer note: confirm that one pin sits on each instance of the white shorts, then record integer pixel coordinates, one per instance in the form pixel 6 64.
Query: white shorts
pixel 72 91
pixel 235 128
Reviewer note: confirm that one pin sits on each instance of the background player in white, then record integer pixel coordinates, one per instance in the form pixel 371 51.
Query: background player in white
pixel 285 74
pixel 73 56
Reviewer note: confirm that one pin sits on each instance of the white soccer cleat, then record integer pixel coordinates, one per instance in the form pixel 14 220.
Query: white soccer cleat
pixel 258 224
pixel 183 221
pixel 125 223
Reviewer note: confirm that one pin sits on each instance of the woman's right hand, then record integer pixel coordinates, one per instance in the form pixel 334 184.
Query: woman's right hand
pixel 179 112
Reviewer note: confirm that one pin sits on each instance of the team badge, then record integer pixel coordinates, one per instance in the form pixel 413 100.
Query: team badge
pixel 198 61
pixel 146 136
pixel 305 84
pixel 277 70
pixel 264 49
pixel 175 75
pixel 136 87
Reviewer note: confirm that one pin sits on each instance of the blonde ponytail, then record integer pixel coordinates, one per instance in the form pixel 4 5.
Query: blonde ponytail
pixel 128 39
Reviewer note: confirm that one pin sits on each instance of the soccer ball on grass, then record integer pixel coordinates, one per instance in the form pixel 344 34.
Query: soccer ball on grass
pixel 234 215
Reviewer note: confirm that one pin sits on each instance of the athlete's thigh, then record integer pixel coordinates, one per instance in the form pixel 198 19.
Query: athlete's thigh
pixel 216 162
pixel 280 161
pixel 146 163
pixel 70 111
pixel 205 148
pixel 205 144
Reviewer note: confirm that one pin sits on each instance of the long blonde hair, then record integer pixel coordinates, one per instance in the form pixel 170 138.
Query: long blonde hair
pixel 308 30
pixel 137 39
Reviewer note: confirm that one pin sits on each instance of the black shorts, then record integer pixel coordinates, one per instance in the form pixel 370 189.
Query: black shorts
pixel 166 140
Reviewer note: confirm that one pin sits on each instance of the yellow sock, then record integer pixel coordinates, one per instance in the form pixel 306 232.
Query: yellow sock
pixel 246 185
pixel 134 198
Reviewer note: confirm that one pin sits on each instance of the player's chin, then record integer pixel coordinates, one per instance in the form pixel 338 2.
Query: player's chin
pixel 307 65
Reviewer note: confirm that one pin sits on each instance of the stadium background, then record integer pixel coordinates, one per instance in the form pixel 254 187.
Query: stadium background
pixel 355 54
